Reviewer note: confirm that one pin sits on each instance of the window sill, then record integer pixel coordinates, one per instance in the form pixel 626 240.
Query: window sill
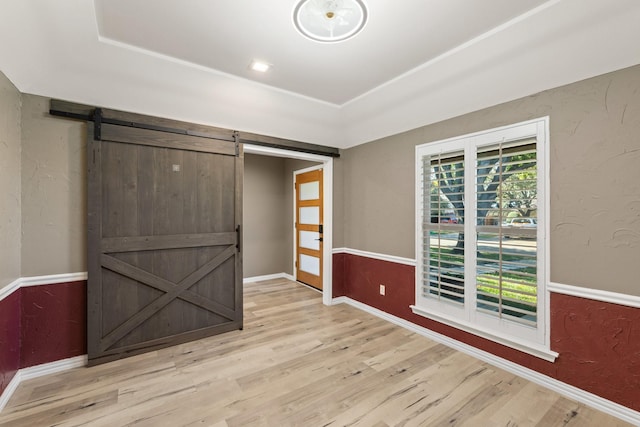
pixel 539 351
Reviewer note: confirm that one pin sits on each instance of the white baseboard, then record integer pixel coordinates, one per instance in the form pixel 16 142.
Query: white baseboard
pixel 53 367
pixel 39 371
pixel 575 393
pixel 8 392
pixel 268 277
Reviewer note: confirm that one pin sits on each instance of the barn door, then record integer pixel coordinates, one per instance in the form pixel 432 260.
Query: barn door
pixel 163 240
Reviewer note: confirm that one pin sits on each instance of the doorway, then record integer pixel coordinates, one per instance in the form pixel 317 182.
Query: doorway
pixel 308 226
pixel 326 163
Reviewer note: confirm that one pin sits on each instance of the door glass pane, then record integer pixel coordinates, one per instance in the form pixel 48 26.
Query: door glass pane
pixel 310 264
pixel 310 190
pixel 308 239
pixel 310 215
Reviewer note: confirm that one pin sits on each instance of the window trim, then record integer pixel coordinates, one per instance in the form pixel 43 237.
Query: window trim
pixel 539 343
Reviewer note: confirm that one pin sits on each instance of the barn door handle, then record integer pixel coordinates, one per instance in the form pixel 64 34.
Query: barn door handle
pixel 238 237
pixel 319 240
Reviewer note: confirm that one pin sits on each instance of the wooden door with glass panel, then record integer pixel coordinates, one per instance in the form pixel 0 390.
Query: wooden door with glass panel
pixel 308 228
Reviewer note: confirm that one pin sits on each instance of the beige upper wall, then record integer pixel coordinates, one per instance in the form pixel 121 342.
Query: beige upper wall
pixel 268 214
pixel 594 178
pixel 338 202
pixel 10 198
pixel 263 213
pixel 53 199
pixel 378 195
pixel 53 191
pixel 595 198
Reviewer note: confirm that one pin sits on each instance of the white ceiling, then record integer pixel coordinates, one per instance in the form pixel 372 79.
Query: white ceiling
pixel 227 35
pixel 415 63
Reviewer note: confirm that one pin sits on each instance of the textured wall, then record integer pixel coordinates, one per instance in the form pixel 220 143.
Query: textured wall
pixel 264 214
pixel 10 223
pixel 268 214
pixel 595 182
pixel 338 202
pixel 599 346
pixel 54 201
pixel 53 322
pixel 41 324
pixel 53 191
pixel 378 191
pixel 9 339
pixel 594 176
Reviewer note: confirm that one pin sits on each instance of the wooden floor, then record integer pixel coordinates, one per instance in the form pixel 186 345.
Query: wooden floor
pixel 296 363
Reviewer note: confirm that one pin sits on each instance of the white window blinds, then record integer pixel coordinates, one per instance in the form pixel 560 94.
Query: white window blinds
pixel 443 228
pixel 481 247
pixel 506 259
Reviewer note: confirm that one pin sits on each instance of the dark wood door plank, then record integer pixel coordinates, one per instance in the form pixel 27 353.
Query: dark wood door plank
pixel 151 280
pixel 149 243
pixel 164 256
pixel 142 315
pixel 166 140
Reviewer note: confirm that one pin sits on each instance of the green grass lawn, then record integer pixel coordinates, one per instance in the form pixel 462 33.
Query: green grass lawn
pixel 514 285
pixel 491 284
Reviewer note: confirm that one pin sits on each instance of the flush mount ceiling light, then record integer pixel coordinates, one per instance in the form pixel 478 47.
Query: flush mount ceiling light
pixel 330 21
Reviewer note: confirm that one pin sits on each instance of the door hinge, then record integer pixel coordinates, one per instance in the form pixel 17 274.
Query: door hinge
pixel 238 237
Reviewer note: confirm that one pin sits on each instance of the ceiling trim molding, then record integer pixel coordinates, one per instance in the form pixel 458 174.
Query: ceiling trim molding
pixel 121 45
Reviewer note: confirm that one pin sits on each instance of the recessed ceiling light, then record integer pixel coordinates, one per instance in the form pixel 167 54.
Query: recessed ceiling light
pixel 330 21
pixel 259 66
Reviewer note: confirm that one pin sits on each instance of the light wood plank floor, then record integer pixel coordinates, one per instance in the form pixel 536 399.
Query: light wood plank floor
pixel 296 363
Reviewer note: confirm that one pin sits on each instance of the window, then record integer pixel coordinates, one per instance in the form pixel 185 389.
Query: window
pixel 481 239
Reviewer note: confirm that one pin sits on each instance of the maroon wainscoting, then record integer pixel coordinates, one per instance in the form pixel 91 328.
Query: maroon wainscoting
pixel 53 323
pixel 599 345
pixel 9 338
pixel 338 286
pixel 598 342
pixel 363 277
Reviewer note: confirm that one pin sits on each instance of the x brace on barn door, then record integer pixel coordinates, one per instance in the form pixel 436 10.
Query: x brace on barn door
pixel 171 291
